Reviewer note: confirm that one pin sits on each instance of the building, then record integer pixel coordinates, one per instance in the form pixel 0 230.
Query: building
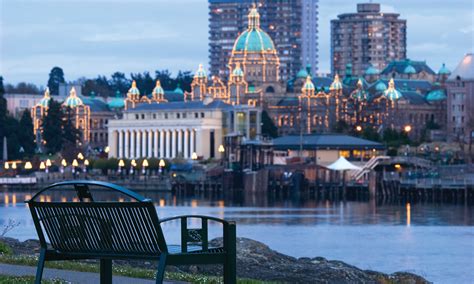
pixel 292 24
pixel 323 149
pixel 17 103
pixel 89 115
pixel 366 38
pixel 186 129
pixel 460 105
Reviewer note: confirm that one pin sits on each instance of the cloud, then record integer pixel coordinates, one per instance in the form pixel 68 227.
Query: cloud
pixel 136 31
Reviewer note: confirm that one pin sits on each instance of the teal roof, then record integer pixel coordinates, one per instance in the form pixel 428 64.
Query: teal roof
pixel 73 100
pixel 158 90
pixel 336 84
pixel 254 40
pixel 178 90
pixel 133 90
pixel 409 70
pixel 302 74
pixel 308 85
pixel 116 103
pixel 44 102
pixel 200 73
pixel 380 87
pixel 391 93
pixel 436 95
pixel 443 70
pixel 372 71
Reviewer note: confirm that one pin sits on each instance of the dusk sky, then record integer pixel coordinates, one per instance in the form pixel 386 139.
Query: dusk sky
pixel 88 38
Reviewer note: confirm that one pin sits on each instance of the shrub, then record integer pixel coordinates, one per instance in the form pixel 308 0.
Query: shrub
pixel 5 249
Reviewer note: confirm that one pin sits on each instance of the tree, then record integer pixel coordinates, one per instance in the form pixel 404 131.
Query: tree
pixel 119 82
pixel 26 134
pixel 13 141
pixel 52 127
pixel 22 88
pixel 56 77
pixel 3 115
pixel 268 127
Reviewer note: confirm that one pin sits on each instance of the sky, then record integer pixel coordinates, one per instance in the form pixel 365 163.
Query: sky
pixel 98 37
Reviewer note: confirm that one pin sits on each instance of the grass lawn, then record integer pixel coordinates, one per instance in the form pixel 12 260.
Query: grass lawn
pixel 117 270
pixel 25 280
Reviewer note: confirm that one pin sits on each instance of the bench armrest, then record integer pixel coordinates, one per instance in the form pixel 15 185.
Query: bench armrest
pixel 201 235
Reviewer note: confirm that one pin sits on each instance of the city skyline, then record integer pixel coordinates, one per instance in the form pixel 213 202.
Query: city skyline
pixel 133 37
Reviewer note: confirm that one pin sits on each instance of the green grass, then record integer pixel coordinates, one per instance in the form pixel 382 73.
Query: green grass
pixel 25 280
pixel 5 249
pixel 120 270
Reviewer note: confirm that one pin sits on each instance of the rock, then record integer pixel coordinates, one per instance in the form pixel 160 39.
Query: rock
pixel 256 260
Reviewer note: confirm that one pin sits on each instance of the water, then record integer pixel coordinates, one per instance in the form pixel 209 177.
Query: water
pixel 432 240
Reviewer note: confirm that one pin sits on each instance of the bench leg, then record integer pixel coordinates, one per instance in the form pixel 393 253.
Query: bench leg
pixel 105 271
pixel 39 270
pixel 230 264
pixel 160 274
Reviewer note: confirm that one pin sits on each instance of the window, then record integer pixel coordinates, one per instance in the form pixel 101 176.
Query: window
pixel 143 116
pixel 166 116
pixel 196 115
pixel 202 115
pixel 136 116
pixel 178 115
pixel 154 116
pixel 184 115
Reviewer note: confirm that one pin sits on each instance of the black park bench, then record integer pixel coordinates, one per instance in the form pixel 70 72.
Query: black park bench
pixel 89 229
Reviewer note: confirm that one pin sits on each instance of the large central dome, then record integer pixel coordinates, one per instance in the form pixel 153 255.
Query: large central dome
pixel 254 39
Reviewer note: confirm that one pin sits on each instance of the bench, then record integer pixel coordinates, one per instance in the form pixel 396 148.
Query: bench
pixel 89 229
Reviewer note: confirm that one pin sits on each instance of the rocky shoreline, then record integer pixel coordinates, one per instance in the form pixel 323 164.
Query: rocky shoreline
pixel 256 260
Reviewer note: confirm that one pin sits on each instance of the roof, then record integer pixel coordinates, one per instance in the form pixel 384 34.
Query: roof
pixel 399 66
pixel 413 98
pixel 444 70
pixel 96 105
pixel 192 105
pixel 254 39
pixel 372 70
pixel 436 95
pixel 324 141
pixel 172 96
pixel 302 74
pixel 465 68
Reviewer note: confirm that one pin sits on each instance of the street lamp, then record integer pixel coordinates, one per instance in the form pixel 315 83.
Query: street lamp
pixel 221 149
pixel 133 164
pixel 107 149
pixel 407 128
pixel 28 166
pixel 358 128
pixel 121 164
pixel 86 164
pixel 42 166
pixel 74 165
pixel 48 164
pixel 80 156
pixel 6 166
pixel 14 166
pixel 194 156
pixel 144 165
pixel 162 164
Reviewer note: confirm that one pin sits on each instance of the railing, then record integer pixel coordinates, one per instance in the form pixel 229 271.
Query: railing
pixel 370 165
pixel 18 180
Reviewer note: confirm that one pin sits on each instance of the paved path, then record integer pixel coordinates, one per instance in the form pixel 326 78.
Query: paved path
pixel 72 276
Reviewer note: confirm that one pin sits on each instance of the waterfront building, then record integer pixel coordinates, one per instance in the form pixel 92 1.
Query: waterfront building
pixel 186 129
pixel 292 24
pixel 460 105
pixel 367 38
pixel 90 116
pixel 17 103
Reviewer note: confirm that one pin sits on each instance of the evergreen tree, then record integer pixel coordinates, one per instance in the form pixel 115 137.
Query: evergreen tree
pixel 52 127
pixel 3 115
pixel 119 82
pixel 26 134
pixel 268 127
pixel 70 136
pixel 56 76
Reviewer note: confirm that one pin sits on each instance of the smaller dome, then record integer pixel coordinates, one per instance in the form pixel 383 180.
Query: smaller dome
pixel 380 87
pixel 200 73
pixel 178 90
pixel 436 95
pixel 133 90
pixel 336 84
pixel 391 93
pixel 409 70
pixel 73 100
pixel 372 71
pixel 158 90
pixel 237 71
pixel 308 85
pixel 443 70
pixel 117 102
pixel 302 74
pixel 44 102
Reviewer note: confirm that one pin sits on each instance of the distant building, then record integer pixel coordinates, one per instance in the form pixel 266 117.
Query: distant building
pixel 292 24
pixel 366 38
pixel 17 103
pixel 460 85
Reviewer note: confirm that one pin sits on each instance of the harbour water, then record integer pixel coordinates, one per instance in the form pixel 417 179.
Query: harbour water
pixel 433 240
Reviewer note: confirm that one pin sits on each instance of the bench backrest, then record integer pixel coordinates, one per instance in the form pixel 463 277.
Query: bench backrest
pixel 92 228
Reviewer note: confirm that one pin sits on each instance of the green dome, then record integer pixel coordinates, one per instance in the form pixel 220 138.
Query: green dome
pixel 302 74
pixel 443 70
pixel 391 93
pixel 73 100
pixel 178 90
pixel 116 103
pixel 308 85
pixel 44 102
pixel 380 87
pixel 200 73
pixel 158 90
pixel 372 71
pixel 409 70
pixel 134 90
pixel 254 40
pixel 237 71
pixel 436 95
pixel 336 84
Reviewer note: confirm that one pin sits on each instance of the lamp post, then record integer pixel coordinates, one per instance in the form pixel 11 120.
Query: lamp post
pixel 48 164
pixel 86 164
pixel 28 166
pixel 144 165
pixel 194 156
pixel 221 151
pixel 74 165
pixel 133 165
pixel 121 164
pixel 80 156
pixel 63 166
pixel 107 150
pixel 358 128
pixel 161 165
pixel 6 166
pixel 42 166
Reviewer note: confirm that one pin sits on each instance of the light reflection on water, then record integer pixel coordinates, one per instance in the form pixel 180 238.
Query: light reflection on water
pixel 433 240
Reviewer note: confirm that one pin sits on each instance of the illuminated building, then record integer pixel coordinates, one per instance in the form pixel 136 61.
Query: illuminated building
pixel 292 24
pixel 366 38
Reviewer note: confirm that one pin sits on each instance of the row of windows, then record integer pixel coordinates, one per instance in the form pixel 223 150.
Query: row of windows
pixel 172 115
